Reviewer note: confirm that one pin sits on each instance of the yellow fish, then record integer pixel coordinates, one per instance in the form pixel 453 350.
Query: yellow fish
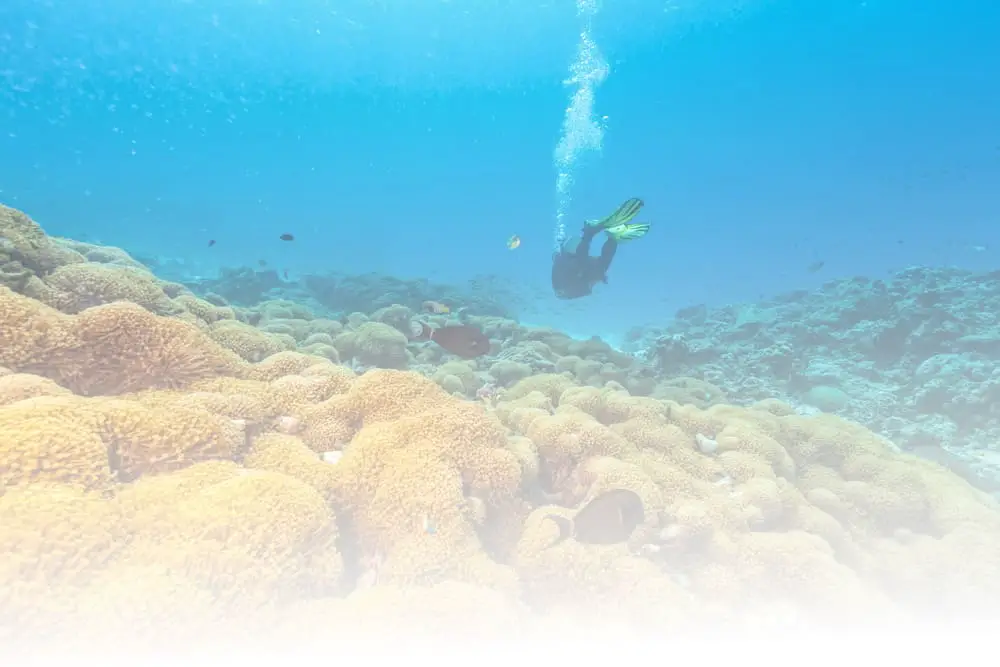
pixel 513 242
pixel 435 308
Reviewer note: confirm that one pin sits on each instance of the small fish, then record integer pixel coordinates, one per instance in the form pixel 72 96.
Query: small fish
pixel 284 274
pixel 513 242
pixel 435 308
pixel 609 518
pixel 816 266
pixel 462 340
pixel 211 242
pixel 286 237
pixel 262 263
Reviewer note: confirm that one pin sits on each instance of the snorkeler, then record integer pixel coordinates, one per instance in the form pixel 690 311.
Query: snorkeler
pixel 574 271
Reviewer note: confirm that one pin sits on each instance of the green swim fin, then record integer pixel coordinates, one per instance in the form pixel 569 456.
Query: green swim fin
pixel 623 215
pixel 622 233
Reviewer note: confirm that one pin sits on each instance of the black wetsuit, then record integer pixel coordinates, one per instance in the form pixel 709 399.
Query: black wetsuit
pixel 574 271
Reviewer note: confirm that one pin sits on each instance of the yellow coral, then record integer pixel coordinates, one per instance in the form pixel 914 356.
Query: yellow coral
pixel 187 549
pixel 27 248
pixel 206 312
pixel 507 372
pixel 750 440
pixel 19 386
pixel 568 436
pixel 690 391
pixel 88 442
pixel 396 316
pixel 405 476
pixel 468 381
pixel 53 439
pixel 608 579
pixel 54 537
pixel 210 476
pixel 288 455
pixel 160 605
pixel 110 349
pixel 76 287
pixel 148 352
pixel 250 343
pixel 551 385
pixel 612 405
pixel 380 345
pixel 251 537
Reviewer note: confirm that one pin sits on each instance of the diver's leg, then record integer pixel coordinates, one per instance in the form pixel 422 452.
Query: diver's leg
pixel 608 251
pixel 586 236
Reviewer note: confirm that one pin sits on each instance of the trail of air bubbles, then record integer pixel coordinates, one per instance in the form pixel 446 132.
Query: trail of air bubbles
pixel 581 131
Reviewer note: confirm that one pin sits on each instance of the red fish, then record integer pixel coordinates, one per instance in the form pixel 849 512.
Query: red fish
pixel 461 340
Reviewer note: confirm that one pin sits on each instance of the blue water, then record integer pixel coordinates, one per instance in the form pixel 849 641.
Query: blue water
pixel 762 135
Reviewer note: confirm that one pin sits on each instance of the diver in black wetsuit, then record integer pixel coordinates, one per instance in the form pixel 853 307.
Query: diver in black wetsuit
pixel 574 271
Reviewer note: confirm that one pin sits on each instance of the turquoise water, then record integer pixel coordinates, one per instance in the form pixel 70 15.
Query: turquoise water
pixel 764 136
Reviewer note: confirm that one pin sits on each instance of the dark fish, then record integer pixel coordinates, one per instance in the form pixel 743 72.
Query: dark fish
pixel 815 266
pixel 609 518
pixel 286 237
pixel 461 340
pixel 284 274
pixel 262 262
pixel 211 243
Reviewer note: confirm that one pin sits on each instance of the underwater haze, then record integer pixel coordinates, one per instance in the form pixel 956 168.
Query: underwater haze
pixel 289 356
pixel 766 138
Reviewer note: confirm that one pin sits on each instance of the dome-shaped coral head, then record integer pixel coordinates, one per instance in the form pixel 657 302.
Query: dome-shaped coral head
pixel 608 518
pixel 462 340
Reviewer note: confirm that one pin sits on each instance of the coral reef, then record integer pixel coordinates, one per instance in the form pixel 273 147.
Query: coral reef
pixel 336 294
pixel 186 468
pixel 914 358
